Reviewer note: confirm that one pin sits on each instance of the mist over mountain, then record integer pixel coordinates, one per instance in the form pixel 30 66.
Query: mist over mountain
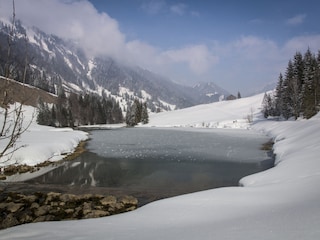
pixel 53 62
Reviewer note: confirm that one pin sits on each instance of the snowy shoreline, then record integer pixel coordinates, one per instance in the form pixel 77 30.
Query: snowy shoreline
pixel 42 143
pixel 279 203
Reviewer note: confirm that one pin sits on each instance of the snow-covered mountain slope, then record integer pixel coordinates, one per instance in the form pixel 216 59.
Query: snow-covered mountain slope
pixel 226 114
pixel 280 203
pixel 53 61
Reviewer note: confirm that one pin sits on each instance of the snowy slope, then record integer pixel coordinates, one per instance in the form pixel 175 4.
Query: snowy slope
pixel 225 114
pixel 41 143
pixel 280 203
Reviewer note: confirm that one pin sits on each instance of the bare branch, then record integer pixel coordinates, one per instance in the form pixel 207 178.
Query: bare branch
pixel 12 124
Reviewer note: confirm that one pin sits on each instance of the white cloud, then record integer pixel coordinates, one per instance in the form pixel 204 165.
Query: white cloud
pixel 179 8
pixel 302 43
pixel 76 20
pixel 198 58
pixel 154 6
pixel 98 33
pixel 248 61
pixel 296 20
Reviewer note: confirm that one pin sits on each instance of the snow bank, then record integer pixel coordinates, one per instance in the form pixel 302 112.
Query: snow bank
pixel 280 203
pixel 41 143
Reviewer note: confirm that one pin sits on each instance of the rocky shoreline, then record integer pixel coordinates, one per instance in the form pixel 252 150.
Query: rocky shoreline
pixel 20 207
pixel 17 208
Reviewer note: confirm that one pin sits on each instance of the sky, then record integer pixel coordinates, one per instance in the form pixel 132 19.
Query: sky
pixel 240 45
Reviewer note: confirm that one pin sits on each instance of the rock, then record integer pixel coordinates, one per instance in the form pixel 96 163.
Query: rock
pixel 29 198
pixel 17 208
pixel 78 212
pixel 3 177
pixel 129 200
pixel 86 196
pixel 68 198
pixel 56 211
pixel 14 207
pixel 9 221
pixel 34 205
pixel 108 201
pixel 44 218
pixel 25 218
pixel 41 211
pixel 54 204
pixel 69 211
pixel 3 206
pixel 51 196
pixel 96 214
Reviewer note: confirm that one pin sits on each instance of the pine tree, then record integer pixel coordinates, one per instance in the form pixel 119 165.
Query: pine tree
pixel 44 114
pixel 144 115
pixel 268 106
pixel 130 117
pixel 287 107
pixel 134 113
pixel 279 97
pixel 297 84
pixel 317 82
pixel 138 112
pixel 309 88
pixel 298 94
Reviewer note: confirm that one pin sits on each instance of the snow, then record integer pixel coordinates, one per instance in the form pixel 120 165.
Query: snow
pixel 42 143
pixel 145 95
pixel 225 114
pixel 91 65
pixel 171 106
pixel 280 203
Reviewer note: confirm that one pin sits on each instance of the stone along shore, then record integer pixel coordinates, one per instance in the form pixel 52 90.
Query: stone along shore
pixel 17 208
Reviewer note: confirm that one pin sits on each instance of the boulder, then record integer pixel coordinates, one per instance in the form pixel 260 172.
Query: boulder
pixel 41 211
pixel 9 221
pixel 108 201
pixel 13 207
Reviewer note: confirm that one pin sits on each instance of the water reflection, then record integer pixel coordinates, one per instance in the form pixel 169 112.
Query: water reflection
pixel 175 171
pixel 91 169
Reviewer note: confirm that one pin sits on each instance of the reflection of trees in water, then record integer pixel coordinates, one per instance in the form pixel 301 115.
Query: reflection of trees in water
pixel 91 169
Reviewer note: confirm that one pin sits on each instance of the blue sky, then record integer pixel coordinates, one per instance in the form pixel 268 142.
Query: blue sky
pixel 240 45
pixel 172 23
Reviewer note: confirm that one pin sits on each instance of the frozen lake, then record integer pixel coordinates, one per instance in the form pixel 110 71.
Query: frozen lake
pixel 153 163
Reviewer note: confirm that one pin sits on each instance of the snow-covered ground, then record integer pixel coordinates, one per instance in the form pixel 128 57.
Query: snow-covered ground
pixel 280 203
pixel 41 143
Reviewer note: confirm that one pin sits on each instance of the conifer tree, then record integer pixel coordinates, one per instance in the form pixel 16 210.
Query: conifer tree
pixel 44 114
pixel 288 87
pixel 279 97
pixel 309 88
pixel 145 116
pixel 298 93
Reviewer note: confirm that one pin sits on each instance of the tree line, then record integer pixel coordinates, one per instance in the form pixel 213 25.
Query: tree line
pixel 298 92
pixel 137 113
pixel 73 110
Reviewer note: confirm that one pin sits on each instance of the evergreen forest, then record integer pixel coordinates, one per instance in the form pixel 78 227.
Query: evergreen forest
pixel 137 113
pixel 74 110
pixel 298 91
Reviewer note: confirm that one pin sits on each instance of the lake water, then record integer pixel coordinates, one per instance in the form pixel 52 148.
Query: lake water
pixel 155 163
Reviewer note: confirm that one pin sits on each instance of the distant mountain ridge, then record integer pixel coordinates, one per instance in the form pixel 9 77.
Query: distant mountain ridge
pixel 54 62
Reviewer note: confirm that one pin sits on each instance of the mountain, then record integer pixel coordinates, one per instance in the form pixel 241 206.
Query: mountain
pixel 53 62
pixel 210 92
